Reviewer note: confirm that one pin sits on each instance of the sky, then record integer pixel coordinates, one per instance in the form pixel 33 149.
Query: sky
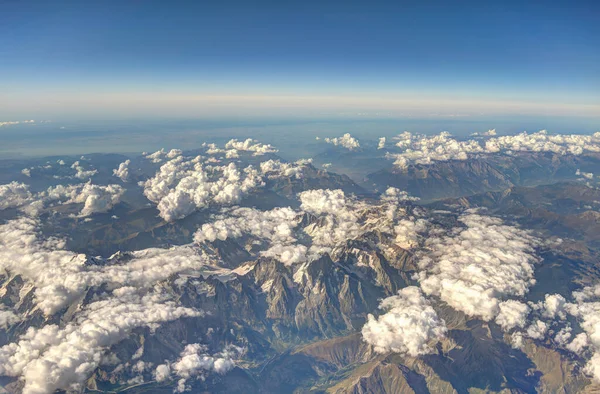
pixel 200 59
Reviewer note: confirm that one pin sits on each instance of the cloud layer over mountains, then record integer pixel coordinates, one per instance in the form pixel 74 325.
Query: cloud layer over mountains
pixel 479 265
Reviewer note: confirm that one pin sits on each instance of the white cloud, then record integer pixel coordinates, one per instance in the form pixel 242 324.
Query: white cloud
pixel 345 141
pixel 52 357
pixel 275 225
pixel 287 254
pixel 182 186
pixel 489 133
pixel 15 122
pixel 194 361
pixel 250 145
pixel 277 169
pixel 421 149
pixel 586 175
pixel 409 232
pixel 82 173
pixel 95 198
pixel 555 306
pixel 14 195
pixel 381 143
pixel 160 155
pixel 474 268
pixel 323 201
pixel 8 318
pixel 123 171
pixel 395 195
pixel 407 327
pixel 512 314
pixel 162 372
pixel 60 276
pixel 537 329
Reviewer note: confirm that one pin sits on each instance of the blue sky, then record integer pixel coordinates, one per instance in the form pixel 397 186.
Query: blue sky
pixel 111 59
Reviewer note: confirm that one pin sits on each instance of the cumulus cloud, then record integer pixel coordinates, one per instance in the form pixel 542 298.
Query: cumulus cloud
pixel 7 318
pixel 345 141
pixel 52 357
pixel 250 145
pixel 395 195
pixel 182 186
pixel 123 171
pixel 61 276
pixel 338 219
pixel 409 325
pixel 195 361
pixel 512 314
pixel 275 225
pixel 95 198
pixel 489 133
pixel 81 172
pixel 161 155
pixel 475 267
pixel 409 232
pixel 14 195
pixel 277 169
pixel 555 306
pixel 287 254
pixel 421 149
pixel 381 143
pixel 537 329
pixel 323 201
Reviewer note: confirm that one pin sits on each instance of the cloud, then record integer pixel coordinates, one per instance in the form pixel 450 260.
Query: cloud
pixel 8 318
pixel 408 325
pixel 52 357
pixel 15 122
pixel 395 195
pixel 82 173
pixel 381 143
pixel 123 171
pixel 421 149
pixel 275 225
pixel 276 169
pixel 61 276
pixel 512 314
pixel 345 141
pixel 195 361
pixel 537 329
pixel 475 267
pixel 489 133
pixel 555 306
pixel 323 201
pixel 287 254
pixel 409 232
pixel 250 145
pixel 182 186
pixel 14 195
pixel 95 198
pixel 160 155
pixel 338 219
